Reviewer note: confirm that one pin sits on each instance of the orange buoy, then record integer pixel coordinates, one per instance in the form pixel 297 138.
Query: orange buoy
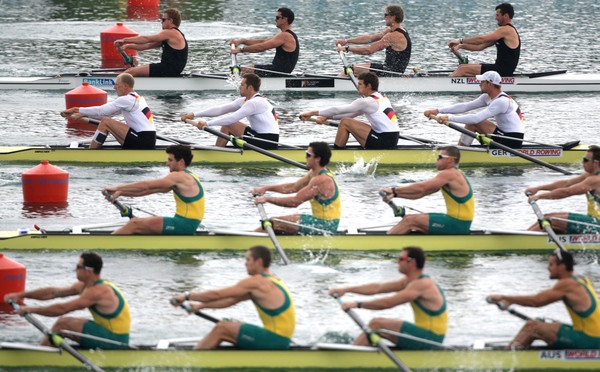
pixel 45 183
pixel 84 96
pixel 12 279
pixel 110 55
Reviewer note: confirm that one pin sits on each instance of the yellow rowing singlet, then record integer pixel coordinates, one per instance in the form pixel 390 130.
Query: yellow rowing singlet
pixel 330 209
pixel 587 321
pixel 462 208
pixel 434 321
pixel 190 207
pixel 282 320
pixel 593 203
pixel 117 322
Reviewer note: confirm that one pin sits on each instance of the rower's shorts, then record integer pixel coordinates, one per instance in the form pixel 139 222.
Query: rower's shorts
pixel 442 224
pixel 385 140
pixel 513 144
pixel 576 228
pixel 568 338
pixel 308 220
pixel 272 70
pixel 500 69
pixel 178 225
pixel 139 140
pixel 393 72
pixel 164 70
pixel 252 337
pixel 413 330
pixel 93 329
pixel 274 137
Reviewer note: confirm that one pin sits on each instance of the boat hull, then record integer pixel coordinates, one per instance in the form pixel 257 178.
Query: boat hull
pixel 476 242
pixel 403 156
pixel 558 81
pixel 311 359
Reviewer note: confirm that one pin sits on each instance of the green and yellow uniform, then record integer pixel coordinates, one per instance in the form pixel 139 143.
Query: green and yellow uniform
pixel 429 324
pixel 326 213
pixel 592 216
pixel 114 326
pixel 189 212
pixel 585 331
pixel 460 212
pixel 279 324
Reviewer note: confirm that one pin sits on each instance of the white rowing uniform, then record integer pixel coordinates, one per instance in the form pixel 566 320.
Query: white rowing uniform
pixel 376 107
pixel 502 108
pixel 132 106
pixel 258 110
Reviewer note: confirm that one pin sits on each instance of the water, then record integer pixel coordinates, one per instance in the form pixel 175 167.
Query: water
pixel 49 37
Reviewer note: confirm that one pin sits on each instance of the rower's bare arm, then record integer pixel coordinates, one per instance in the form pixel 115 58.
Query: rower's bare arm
pixel 266 44
pixel 87 299
pixel 556 293
pixel 147 187
pixel 46 293
pixel 240 291
pixel 399 298
pixel 558 184
pixel 424 188
pixel 365 39
pixel 219 304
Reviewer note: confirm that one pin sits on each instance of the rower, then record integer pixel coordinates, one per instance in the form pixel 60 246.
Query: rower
pixel 380 132
pixel 394 39
pixel 287 47
pixel 507 41
pixel 587 183
pixel 457 192
pixel 318 186
pixel 170 39
pixel 271 297
pixel 578 295
pixel 104 300
pixel 138 131
pixel 264 124
pixel 508 128
pixel 187 191
pixel 425 297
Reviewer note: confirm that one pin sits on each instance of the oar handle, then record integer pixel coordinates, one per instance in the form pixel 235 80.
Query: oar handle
pixel 502 307
pixel 462 60
pixel 187 307
pixel 235 68
pixel 268 225
pixel 547 226
pixel 126 211
pixel 398 211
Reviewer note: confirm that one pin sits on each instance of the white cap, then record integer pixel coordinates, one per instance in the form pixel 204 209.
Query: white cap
pixel 491 76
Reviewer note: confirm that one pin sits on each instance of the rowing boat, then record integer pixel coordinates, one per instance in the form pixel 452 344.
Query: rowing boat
pixel 340 358
pixel 477 241
pixel 552 81
pixel 404 155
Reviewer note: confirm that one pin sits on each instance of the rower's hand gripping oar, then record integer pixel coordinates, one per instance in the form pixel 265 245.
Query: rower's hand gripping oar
pixel 268 225
pixel 188 308
pixel 503 307
pixel 56 339
pixel 487 141
pixel 398 211
pixel 126 210
pixel 347 68
pixel 374 338
pixel 238 142
pixel 462 60
pixel 547 226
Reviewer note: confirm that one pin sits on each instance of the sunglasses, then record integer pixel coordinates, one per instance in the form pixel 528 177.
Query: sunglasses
pixel 309 155
pixel 83 267
pixel 441 156
pixel 279 17
pixel 585 160
pixel 404 258
pixel 386 15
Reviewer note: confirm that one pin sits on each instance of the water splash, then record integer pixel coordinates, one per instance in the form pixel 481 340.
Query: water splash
pixel 234 80
pixel 359 167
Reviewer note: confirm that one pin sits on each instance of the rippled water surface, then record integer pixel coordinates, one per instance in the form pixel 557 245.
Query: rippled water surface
pixel 49 37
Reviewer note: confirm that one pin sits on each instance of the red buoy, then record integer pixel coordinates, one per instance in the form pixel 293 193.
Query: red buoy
pixel 12 279
pixel 110 55
pixel 45 183
pixel 84 96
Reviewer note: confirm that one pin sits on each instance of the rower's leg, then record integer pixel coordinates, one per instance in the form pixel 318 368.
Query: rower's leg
pixel 357 128
pixel 142 70
pixel 411 222
pixel 359 68
pixel 382 323
pixel 235 129
pixel 535 330
pixel 66 323
pixel 485 127
pixel 467 70
pixel 284 228
pixel 558 226
pixel 147 226
pixel 222 331
pixel 116 128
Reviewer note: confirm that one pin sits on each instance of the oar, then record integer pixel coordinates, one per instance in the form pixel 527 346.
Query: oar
pixel 415 338
pixel 267 225
pixel 347 69
pixel 56 339
pixel 546 225
pixel 325 232
pixel 101 339
pixel 127 59
pixel 126 211
pixel 199 313
pixel 462 60
pixel 485 140
pixel 238 142
pixel 235 68
pixel 374 338
pixel 398 211
pixel 510 310
pixel 160 137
